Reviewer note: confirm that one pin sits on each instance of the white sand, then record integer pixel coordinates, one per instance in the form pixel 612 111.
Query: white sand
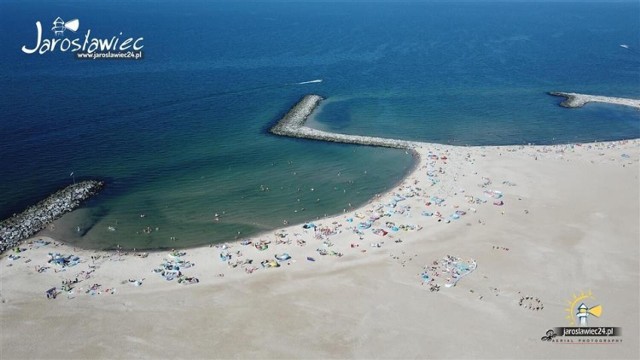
pixel 570 223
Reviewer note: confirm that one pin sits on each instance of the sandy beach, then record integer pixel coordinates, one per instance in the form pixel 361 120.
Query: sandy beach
pixel 539 223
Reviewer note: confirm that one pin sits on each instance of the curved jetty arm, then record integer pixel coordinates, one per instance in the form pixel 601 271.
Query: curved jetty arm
pixel 574 100
pixel 37 217
pixel 292 124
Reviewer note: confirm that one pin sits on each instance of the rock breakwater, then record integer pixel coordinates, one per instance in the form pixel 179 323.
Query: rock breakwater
pixel 292 124
pixel 37 217
pixel 575 100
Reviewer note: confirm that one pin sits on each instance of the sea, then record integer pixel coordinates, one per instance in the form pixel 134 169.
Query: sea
pixel 181 134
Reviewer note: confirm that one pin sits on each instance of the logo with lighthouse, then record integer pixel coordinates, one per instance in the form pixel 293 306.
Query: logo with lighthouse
pixel 85 47
pixel 59 26
pixel 579 310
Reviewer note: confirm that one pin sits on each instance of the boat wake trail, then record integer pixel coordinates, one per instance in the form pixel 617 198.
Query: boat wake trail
pixel 309 82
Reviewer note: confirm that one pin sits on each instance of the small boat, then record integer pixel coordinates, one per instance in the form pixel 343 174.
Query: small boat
pixel 624 46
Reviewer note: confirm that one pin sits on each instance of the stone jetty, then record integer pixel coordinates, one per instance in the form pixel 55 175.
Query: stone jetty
pixel 37 217
pixel 574 100
pixel 292 124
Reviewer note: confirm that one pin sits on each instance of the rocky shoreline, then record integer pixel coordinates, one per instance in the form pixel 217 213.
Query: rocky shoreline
pixel 575 100
pixel 292 124
pixel 37 217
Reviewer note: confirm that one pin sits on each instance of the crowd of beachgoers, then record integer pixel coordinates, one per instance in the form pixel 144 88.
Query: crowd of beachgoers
pixel 455 240
pixel 432 197
pixel 381 224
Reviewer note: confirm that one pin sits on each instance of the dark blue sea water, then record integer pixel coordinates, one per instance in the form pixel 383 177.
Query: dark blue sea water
pixel 180 135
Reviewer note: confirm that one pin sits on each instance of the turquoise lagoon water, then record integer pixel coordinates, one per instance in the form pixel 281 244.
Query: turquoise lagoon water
pixel 181 135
